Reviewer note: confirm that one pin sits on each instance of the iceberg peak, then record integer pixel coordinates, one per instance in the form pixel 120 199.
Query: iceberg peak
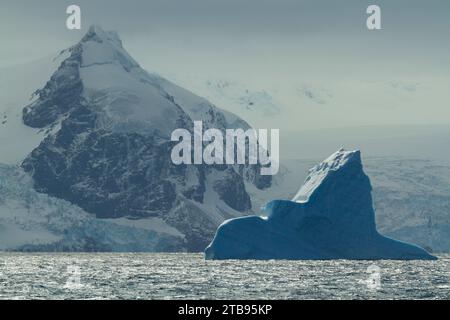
pixel 319 174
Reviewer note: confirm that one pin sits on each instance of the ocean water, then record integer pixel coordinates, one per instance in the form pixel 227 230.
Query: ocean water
pixel 189 276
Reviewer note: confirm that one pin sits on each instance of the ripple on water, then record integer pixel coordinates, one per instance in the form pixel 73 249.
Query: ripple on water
pixel 189 276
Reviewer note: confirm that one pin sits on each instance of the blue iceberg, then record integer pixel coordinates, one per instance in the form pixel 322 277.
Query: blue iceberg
pixel 331 217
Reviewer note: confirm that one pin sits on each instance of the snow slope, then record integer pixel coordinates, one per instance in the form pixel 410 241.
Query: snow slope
pixel 17 85
pixel 301 103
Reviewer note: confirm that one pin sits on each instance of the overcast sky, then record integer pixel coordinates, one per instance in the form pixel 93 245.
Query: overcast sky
pixel 273 40
pixel 280 35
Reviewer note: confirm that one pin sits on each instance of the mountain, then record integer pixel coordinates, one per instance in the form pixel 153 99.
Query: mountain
pixel 331 217
pixel 105 126
pixel 258 104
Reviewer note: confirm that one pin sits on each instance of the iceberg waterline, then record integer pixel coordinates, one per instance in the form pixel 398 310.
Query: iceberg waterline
pixel 331 217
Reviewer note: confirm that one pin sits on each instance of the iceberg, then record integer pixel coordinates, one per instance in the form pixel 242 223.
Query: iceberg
pixel 331 217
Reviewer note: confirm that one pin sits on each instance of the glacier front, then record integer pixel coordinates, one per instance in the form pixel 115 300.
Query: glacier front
pixel 331 217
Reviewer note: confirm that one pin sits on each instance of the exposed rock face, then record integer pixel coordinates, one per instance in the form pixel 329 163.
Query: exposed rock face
pixel 331 217
pixel 108 150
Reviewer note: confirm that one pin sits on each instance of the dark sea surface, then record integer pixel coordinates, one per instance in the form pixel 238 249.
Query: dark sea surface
pixel 189 276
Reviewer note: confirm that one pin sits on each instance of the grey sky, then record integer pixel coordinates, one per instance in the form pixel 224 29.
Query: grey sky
pixel 236 34
pixel 275 41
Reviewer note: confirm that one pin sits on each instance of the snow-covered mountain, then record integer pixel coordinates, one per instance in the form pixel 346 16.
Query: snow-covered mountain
pixel 102 127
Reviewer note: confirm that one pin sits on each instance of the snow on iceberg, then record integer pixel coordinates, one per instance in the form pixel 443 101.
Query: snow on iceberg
pixel 331 217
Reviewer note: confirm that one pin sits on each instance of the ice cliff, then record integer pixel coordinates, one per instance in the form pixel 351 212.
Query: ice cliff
pixel 331 217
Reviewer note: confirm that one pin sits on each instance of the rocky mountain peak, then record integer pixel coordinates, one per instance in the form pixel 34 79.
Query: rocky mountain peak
pixel 108 147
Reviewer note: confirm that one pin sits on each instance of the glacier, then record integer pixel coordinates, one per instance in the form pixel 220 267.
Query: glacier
pixel 331 217
pixel 32 221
